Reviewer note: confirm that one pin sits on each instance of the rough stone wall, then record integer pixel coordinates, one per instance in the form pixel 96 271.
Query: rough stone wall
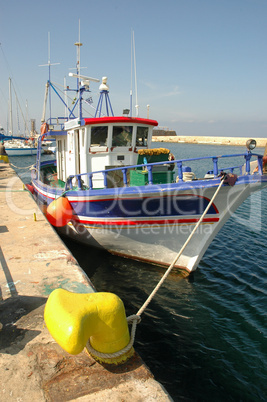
pixel 161 133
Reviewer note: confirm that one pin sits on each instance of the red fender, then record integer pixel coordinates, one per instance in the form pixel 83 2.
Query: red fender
pixel 44 128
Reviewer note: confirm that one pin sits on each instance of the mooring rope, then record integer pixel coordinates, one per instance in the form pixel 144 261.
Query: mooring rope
pixel 132 319
pixel 135 319
pixel 31 167
pixel 140 311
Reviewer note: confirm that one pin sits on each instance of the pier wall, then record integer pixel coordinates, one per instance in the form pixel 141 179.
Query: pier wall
pixel 240 141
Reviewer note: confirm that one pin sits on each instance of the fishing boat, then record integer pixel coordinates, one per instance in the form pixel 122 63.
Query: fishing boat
pixel 109 187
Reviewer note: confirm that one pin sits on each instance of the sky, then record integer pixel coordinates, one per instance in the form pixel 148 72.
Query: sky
pixel 201 65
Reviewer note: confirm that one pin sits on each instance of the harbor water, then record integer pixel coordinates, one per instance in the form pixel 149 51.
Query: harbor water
pixel 203 337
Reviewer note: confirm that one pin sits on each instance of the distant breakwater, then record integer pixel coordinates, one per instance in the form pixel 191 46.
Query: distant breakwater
pixel 261 142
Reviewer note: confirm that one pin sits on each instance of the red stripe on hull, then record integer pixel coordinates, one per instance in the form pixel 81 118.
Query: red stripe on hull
pixel 146 222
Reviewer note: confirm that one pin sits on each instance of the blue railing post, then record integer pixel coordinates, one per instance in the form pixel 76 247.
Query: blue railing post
pixel 180 170
pixel 150 175
pixel 248 157
pixel 38 158
pixel 68 185
pixel 124 172
pixel 260 164
pixel 79 182
pixel 105 179
pixel 215 166
pixel 91 181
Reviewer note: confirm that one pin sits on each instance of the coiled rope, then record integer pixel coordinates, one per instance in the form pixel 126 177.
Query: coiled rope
pixel 135 319
pixel 132 319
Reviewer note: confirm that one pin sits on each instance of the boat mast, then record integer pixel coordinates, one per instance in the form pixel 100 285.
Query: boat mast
pixel 136 102
pixel 10 108
pixel 49 64
pixel 78 66
pixel 131 90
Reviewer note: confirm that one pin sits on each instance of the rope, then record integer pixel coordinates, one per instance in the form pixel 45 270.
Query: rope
pixel 140 311
pixel 135 319
pixel 31 167
pixel 189 176
pixel 132 319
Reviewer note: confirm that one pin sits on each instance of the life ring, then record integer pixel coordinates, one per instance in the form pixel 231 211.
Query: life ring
pixel 44 128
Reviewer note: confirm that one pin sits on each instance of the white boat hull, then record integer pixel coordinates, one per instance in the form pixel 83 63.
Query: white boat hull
pixel 157 240
pixel 21 151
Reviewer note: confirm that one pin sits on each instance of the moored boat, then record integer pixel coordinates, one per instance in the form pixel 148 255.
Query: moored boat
pixel 20 147
pixel 134 200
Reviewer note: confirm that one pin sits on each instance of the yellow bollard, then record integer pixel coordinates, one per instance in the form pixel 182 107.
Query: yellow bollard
pixel 4 158
pixel 74 318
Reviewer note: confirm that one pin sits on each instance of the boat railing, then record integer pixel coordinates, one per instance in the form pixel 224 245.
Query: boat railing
pixel 56 123
pixel 79 182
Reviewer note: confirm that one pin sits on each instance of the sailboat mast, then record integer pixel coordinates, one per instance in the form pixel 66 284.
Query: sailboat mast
pixel 131 90
pixel 135 79
pixel 49 77
pixel 10 108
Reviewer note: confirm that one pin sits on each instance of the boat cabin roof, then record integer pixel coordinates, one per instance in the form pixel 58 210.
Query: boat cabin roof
pixel 119 119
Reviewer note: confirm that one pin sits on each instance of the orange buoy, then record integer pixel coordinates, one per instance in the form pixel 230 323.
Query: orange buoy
pixel 59 212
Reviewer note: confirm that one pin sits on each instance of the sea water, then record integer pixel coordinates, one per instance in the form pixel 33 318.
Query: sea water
pixel 204 337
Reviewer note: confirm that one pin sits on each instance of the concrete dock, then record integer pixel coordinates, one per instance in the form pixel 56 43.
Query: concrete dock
pixel 34 262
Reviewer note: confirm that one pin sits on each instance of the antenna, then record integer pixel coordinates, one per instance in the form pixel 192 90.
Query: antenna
pixel 85 80
pixel 79 44
pixel 49 64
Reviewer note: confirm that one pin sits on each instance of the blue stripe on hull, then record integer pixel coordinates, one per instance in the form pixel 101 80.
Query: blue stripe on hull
pixel 144 207
pixel 140 207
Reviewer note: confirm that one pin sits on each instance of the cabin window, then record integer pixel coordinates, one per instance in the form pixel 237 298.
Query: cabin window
pixel 99 136
pixel 122 136
pixel 141 136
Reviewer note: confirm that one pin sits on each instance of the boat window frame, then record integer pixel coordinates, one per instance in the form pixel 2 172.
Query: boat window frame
pixel 147 137
pixel 106 140
pixel 122 126
pixel 95 149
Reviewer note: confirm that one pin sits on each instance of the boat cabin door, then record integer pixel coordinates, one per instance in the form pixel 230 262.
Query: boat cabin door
pixel 61 148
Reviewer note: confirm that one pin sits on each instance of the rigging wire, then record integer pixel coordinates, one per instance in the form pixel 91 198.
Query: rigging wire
pixel 63 92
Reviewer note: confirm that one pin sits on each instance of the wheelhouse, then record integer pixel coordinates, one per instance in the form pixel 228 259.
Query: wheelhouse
pixel 100 143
